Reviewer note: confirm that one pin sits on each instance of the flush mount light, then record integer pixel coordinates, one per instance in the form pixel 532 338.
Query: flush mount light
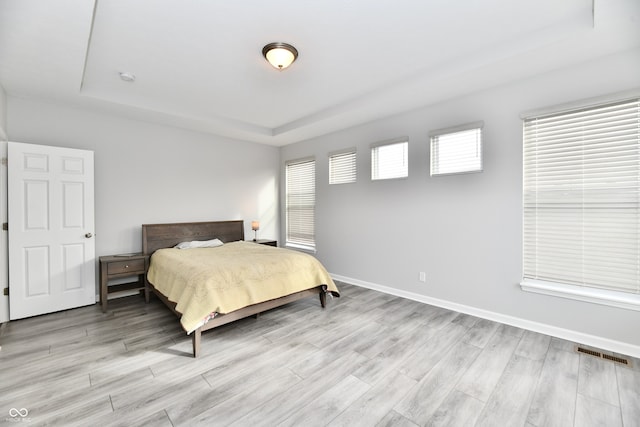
pixel 128 77
pixel 280 55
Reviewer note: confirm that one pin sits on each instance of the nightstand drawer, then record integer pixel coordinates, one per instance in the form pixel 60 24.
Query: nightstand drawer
pixel 135 266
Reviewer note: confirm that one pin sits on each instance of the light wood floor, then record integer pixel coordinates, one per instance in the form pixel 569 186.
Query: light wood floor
pixel 369 359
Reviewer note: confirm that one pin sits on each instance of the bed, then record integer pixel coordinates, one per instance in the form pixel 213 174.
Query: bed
pixel 209 287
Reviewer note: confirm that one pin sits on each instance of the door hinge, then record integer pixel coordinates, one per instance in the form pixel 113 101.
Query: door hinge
pixel 5 226
pixel 6 292
pixel 5 161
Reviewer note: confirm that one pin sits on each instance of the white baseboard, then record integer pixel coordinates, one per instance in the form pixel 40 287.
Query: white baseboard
pixel 567 334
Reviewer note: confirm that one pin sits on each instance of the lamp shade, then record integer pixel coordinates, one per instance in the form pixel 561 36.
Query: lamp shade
pixel 255 225
pixel 280 55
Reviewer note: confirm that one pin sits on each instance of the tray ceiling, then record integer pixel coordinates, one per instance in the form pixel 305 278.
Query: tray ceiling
pixel 198 64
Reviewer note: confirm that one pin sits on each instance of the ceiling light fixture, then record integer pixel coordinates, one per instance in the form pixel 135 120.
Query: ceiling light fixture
pixel 280 55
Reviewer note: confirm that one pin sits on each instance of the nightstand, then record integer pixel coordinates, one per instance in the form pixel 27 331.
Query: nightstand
pixel 119 266
pixel 267 242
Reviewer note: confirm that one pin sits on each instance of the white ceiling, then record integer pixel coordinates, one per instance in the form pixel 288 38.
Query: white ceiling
pixel 198 63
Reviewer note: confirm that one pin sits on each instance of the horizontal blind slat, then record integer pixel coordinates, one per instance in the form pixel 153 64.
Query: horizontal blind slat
pixel 581 197
pixel 300 202
pixel 456 152
pixel 390 161
pixel 342 168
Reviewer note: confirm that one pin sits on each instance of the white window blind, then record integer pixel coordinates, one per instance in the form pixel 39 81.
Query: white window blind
pixel 342 166
pixel 456 150
pixel 582 197
pixel 389 159
pixel 300 202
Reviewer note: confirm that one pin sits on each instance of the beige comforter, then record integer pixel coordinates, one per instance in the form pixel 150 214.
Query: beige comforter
pixel 220 280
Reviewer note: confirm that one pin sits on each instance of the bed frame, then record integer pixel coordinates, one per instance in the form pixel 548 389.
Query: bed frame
pixel 158 236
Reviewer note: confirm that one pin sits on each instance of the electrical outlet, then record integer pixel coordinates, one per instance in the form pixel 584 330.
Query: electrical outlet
pixel 423 276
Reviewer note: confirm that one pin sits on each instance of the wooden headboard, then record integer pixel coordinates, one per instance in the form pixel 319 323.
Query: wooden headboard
pixel 159 236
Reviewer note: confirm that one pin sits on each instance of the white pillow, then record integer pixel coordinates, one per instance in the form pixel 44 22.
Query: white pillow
pixel 199 244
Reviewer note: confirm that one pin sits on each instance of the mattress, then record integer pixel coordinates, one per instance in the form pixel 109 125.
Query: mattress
pixel 204 282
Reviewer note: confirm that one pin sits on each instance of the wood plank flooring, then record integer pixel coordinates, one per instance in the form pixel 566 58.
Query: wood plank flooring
pixel 369 359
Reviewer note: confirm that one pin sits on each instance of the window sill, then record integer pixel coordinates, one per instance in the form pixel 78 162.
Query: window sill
pixel 580 293
pixel 395 178
pixel 309 249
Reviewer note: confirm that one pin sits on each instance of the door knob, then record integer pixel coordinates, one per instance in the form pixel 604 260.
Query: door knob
pixel 88 235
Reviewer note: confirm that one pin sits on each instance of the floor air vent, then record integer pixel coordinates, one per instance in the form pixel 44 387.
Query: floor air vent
pixel 595 353
pixel 621 360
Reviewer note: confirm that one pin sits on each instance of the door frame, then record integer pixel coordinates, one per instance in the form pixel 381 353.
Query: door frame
pixel 4 241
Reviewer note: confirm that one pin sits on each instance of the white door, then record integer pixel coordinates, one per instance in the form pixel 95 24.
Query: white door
pixel 51 226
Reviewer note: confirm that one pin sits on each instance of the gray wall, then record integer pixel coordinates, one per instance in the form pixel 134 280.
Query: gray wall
pixel 148 173
pixel 464 231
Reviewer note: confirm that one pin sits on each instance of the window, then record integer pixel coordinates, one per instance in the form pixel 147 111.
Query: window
pixel 582 200
pixel 456 150
pixel 389 159
pixel 300 203
pixel 342 166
